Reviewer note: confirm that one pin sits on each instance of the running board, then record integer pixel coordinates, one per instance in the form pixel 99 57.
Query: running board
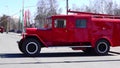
pixel 73 46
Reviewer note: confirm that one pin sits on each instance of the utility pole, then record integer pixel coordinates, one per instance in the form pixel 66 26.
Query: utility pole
pixel 67 6
pixel 23 17
pixel 7 29
pixel 7 25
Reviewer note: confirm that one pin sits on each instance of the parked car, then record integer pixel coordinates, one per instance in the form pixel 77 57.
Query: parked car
pixel 1 29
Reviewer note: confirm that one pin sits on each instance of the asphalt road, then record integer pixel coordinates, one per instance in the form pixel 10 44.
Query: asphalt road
pixel 11 57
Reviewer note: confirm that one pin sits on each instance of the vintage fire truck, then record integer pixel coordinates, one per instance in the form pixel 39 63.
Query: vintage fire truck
pixel 93 33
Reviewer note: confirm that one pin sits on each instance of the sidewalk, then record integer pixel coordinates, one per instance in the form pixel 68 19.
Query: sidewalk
pixel 115 49
pixel 12 33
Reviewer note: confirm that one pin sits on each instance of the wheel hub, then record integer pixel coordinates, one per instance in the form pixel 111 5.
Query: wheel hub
pixel 31 48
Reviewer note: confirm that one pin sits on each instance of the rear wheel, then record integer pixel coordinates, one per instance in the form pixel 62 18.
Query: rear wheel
pixel 102 47
pixel 31 47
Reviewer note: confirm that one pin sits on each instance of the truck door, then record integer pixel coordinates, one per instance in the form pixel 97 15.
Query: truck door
pixel 60 30
pixel 81 30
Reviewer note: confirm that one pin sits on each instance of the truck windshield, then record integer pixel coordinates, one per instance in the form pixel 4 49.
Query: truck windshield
pixel 44 24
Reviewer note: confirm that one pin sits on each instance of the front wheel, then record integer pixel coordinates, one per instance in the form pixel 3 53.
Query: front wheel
pixel 31 47
pixel 102 47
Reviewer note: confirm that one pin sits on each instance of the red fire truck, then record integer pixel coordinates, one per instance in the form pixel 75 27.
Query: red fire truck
pixel 90 32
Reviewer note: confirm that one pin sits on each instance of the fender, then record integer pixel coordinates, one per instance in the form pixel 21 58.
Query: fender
pixel 104 37
pixel 28 35
pixel 109 40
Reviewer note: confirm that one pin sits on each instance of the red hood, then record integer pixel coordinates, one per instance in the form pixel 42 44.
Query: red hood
pixel 31 30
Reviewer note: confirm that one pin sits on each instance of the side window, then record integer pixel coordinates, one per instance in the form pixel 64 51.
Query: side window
pixel 60 23
pixel 81 23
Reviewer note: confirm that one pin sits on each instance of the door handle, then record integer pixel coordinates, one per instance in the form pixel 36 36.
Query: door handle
pixel 66 31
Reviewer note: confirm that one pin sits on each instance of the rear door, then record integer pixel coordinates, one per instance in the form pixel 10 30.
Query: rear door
pixel 81 30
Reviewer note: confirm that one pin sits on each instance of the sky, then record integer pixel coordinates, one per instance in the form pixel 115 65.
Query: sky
pixel 12 7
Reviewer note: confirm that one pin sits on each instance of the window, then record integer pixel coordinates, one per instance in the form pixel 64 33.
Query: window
pixel 60 23
pixel 81 23
pixel 43 23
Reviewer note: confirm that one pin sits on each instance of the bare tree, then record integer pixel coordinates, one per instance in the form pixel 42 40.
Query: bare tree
pixel 107 7
pixel 100 6
pixel 46 8
pixel 4 21
pixel 117 11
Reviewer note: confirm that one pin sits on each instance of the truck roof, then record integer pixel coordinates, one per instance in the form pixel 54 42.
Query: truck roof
pixel 79 16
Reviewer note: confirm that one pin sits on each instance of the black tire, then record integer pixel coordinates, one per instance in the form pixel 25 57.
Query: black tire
pixel 102 47
pixel 20 45
pixel 31 47
pixel 20 48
